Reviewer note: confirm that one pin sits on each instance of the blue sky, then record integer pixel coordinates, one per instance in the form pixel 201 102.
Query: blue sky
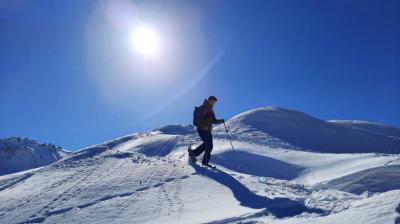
pixel 69 74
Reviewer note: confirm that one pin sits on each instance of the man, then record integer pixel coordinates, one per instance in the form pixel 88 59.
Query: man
pixel 206 118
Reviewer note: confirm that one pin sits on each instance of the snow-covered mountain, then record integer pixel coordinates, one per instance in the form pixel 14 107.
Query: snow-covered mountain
pixel 19 154
pixel 306 132
pixel 272 176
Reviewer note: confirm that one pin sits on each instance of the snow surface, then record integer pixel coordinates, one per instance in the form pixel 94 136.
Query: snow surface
pixel 146 178
pixel 375 127
pixel 380 179
pixel 309 133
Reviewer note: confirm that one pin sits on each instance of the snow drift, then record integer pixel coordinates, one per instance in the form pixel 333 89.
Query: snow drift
pixel 374 180
pixel 309 133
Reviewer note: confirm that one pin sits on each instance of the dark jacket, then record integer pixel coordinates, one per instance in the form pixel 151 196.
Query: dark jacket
pixel 207 117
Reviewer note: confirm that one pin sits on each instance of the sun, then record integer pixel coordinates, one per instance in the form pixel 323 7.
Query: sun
pixel 145 40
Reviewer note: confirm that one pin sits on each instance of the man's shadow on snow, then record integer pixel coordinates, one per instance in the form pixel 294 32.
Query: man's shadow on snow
pixel 279 207
pixel 258 165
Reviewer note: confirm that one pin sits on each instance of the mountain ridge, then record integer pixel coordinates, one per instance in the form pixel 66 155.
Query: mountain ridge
pixel 19 154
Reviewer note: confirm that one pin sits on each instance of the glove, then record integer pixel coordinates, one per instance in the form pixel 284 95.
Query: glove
pixel 221 120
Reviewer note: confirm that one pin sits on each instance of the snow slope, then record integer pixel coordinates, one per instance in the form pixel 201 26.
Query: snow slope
pixel 375 127
pixel 379 179
pixel 19 154
pixel 145 178
pixel 306 132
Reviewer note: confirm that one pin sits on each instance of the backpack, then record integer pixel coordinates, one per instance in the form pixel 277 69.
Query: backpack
pixel 196 116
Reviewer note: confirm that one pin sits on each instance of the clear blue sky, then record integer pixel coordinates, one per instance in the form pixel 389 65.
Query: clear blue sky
pixel 70 75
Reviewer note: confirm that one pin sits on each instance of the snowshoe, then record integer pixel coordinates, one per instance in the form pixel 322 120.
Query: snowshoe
pixel 192 158
pixel 209 166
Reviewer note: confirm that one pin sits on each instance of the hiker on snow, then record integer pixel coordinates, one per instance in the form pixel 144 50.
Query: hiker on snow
pixel 203 119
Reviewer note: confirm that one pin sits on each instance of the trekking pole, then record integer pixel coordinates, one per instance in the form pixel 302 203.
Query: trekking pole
pixel 227 133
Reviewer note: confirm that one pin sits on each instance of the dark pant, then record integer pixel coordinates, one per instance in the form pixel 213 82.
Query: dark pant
pixel 206 147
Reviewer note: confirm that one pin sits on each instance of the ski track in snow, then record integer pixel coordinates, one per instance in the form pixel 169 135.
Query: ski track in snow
pixel 50 208
pixel 44 191
pixel 18 180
